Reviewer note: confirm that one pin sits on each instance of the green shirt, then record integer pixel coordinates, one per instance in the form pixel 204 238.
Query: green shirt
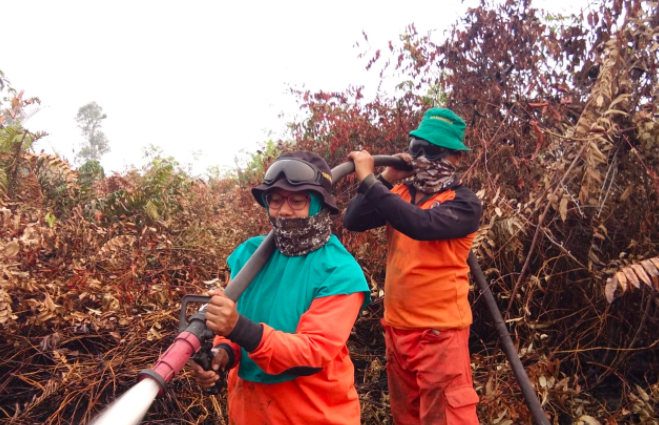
pixel 284 289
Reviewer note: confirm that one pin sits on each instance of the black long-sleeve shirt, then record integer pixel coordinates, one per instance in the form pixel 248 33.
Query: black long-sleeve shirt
pixel 374 206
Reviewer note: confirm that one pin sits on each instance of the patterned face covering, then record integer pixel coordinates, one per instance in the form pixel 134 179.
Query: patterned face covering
pixel 300 236
pixel 432 176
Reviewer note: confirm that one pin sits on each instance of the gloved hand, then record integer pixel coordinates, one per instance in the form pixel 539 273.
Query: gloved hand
pixel 207 378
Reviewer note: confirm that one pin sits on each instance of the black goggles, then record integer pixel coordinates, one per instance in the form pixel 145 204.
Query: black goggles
pixel 419 147
pixel 297 172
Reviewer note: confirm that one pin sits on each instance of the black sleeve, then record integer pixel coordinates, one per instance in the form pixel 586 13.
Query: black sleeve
pixel 450 220
pixel 361 214
pixel 247 334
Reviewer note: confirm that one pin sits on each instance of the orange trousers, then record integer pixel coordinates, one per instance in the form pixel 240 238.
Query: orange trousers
pixel 429 376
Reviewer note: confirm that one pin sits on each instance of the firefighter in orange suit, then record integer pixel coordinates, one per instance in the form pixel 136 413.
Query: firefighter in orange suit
pixel 431 223
pixel 285 340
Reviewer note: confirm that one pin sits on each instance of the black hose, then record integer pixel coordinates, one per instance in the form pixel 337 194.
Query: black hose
pixel 507 343
pixel 342 170
pixel 251 268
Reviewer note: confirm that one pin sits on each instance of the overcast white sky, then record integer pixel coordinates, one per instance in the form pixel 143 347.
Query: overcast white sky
pixel 199 75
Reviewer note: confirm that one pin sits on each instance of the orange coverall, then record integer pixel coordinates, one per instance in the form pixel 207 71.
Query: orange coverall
pixel 327 397
pixel 427 312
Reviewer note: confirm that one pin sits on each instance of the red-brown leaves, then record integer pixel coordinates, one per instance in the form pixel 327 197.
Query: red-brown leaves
pixel 644 273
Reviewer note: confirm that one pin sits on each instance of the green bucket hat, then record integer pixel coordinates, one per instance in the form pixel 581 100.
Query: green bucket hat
pixel 442 127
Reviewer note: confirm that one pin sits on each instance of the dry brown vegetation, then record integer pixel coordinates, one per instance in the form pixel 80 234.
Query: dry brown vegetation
pixel 562 117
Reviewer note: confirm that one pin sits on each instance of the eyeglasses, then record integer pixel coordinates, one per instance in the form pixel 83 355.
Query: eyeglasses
pixel 297 172
pixel 297 201
pixel 420 147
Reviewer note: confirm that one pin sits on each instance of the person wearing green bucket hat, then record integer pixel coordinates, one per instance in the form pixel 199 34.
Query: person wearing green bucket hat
pixel 431 222
pixel 443 128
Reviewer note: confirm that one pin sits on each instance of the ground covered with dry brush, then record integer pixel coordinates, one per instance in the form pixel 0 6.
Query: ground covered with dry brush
pixel 562 120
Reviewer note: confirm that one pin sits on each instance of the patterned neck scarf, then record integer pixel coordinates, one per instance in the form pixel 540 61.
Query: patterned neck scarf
pixel 300 236
pixel 432 176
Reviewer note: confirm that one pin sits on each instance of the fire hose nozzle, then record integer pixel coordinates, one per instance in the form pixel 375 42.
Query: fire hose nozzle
pixel 169 364
pixel 193 335
pixel 150 373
